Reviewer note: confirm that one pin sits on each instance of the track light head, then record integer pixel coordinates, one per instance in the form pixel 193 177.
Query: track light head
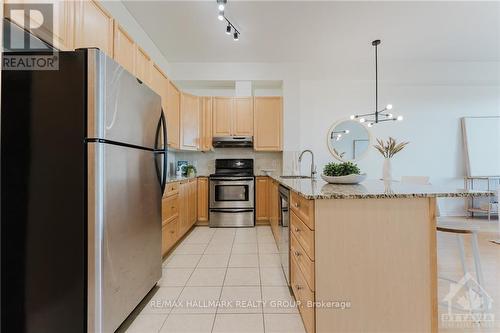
pixel 236 36
pixel 221 4
pixel 228 29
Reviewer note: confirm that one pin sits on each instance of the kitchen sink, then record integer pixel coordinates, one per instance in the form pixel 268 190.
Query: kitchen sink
pixel 295 177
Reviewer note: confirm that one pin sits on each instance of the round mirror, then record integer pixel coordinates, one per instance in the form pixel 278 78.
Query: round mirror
pixel 348 140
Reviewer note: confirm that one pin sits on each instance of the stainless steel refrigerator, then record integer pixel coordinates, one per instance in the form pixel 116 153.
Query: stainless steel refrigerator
pixel 83 169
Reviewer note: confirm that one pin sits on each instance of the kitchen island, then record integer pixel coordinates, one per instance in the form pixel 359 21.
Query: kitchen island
pixel 363 257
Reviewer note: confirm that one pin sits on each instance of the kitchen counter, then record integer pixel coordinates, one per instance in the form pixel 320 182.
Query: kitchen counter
pixel 173 179
pixel 372 189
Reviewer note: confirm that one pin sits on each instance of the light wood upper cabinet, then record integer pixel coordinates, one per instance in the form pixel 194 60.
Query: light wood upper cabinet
pixel 190 118
pixel 159 83
pixel 173 113
pixel 124 49
pixel 202 200
pixel 261 199
pixel 142 65
pixel 93 27
pixel 232 116
pixel 268 122
pixel 222 111
pixel 243 116
pixel 206 123
pixel 60 34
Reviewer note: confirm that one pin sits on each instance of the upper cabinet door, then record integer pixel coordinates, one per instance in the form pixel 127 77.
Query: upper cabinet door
pixel 93 27
pixel 142 66
pixel 60 34
pixel 222 111
pixel 206 123
pixel 268 119
pixel 173 114
pixel 243 116
pixel 190 118
pixel 124 49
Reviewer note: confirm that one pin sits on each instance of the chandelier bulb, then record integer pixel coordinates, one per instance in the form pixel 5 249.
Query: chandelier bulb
pixel 399 118
pixel 389 107
pixel 352 117
pixel 221 15
pixel 362 120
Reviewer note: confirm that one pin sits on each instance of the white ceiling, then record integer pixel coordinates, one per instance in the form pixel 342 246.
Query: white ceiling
pixel 307 31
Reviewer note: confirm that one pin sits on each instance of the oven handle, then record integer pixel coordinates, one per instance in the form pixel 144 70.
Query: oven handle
pixel 231 211
pixel 228 179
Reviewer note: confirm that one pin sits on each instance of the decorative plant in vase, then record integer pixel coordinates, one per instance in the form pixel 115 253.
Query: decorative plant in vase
pixel 388 149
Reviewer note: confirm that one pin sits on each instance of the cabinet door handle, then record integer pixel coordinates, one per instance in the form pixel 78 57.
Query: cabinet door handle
pixel 297 253
pixel 297 205
pixel 298 287
pixel 297 229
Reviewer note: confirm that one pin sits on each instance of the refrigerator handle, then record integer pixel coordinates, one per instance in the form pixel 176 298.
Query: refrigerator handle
pixel 165 152
pixel 162 175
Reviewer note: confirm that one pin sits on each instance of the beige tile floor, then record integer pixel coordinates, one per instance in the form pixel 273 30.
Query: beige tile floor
pixel 243 264
pixel 239 267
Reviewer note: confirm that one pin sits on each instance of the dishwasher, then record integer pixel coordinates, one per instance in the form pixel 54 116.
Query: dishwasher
pixel 284 224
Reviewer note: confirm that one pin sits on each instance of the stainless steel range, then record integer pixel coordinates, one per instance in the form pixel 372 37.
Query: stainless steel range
pixel 232 189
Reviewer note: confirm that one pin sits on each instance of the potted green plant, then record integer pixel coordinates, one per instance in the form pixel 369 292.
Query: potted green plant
pixel 342 173
pixel 190 170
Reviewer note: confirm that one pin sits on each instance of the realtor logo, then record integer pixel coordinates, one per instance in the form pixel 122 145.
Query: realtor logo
pixel 28 29
pixel 468 305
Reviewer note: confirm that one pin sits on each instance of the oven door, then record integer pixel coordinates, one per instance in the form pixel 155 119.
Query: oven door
pixel 232 192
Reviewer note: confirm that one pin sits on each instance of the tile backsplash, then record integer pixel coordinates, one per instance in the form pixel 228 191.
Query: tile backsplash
pixel 205 161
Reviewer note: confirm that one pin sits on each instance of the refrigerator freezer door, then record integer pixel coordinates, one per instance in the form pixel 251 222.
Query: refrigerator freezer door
pixel 124 232
pixel 120 107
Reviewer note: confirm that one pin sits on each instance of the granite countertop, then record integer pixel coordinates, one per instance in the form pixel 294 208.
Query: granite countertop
pixel 372 189
pixel 173 179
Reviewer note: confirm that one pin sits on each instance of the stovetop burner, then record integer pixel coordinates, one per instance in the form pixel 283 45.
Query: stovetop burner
pixel 233 168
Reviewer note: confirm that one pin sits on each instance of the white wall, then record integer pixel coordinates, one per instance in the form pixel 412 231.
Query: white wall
pixel 431 96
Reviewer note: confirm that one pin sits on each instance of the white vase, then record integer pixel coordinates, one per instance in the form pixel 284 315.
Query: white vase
pixel 387 170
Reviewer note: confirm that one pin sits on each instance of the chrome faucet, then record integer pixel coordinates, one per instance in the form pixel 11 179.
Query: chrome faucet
pixel 313 166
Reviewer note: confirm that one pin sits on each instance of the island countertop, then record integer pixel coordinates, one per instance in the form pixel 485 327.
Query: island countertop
pixel 372 189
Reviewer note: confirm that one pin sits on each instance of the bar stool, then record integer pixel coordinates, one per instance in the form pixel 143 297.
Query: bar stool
pixel 460 230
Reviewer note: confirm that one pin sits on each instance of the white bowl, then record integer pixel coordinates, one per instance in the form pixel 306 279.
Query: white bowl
pixel 349 179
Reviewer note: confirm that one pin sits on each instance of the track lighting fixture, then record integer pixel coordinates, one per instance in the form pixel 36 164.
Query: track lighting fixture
pixel 221 15
pixel 221 4
pixel 230 29
pixel 379 115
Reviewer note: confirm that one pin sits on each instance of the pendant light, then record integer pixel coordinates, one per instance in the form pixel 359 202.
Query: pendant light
pixel 379 115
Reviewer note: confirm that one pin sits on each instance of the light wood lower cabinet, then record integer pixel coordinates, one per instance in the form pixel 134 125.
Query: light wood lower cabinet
pixel 179 212
pixel 262 200
pixel 203 200
pixel 303 295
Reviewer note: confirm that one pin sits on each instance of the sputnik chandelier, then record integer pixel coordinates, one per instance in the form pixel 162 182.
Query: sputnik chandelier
pixel 379 115
pixel 230 28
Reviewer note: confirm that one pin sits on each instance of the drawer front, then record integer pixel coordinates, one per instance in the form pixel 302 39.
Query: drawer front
pixel 304 235
pixel 303 295
pixel 304 209
pixel 172 188
pixel 305 264
pixel 169 235
pixel 169 208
